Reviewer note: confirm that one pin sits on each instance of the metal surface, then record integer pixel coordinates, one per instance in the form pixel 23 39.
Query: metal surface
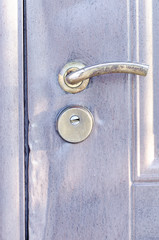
pixel 78 191
pixel 12 195
pixel 75 124
pixel 106 187
pixel 68 68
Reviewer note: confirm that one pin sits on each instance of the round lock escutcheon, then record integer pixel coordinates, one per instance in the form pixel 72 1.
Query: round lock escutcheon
pixel 74 124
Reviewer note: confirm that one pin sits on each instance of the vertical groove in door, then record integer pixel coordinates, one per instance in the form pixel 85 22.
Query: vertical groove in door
pixel 26 121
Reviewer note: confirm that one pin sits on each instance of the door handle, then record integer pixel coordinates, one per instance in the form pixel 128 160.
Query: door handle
pixel 76 75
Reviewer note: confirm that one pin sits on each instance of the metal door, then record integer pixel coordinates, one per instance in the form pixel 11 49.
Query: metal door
pixel 105 187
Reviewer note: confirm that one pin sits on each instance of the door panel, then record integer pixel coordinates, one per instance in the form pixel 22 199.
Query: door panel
pixel 92 189
pixel 145 98
pixel 145 211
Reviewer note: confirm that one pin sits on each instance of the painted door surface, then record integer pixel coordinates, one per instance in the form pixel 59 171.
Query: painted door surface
pixel 106 187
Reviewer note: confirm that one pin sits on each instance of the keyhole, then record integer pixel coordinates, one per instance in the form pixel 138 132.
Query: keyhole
pixel 74 120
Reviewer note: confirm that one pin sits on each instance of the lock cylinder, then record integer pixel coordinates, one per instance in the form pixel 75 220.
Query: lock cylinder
pixel 74 124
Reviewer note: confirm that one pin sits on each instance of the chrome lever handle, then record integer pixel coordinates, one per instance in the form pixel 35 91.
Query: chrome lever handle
pixel 105 68
pixel 77 77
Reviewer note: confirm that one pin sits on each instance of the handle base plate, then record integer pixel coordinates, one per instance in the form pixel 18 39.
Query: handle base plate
pixel 72 88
